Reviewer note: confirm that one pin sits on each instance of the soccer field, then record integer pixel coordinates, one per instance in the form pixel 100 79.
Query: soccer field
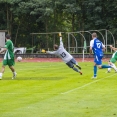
pixel 51 89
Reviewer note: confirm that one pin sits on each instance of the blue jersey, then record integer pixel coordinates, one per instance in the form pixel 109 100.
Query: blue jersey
pixel 97 48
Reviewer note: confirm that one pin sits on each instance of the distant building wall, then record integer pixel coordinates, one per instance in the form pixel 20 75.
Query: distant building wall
pixel 2 37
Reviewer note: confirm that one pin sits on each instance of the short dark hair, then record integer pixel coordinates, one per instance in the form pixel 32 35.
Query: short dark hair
pixel 56 46
pixel 94 34
pixel 8 36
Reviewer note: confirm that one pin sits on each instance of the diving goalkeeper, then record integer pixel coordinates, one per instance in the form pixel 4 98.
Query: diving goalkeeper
pixel 65 56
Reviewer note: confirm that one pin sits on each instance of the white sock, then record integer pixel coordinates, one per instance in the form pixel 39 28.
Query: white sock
pixel 1 74
pixel 114 67
pixel 109 69
pixel 14 73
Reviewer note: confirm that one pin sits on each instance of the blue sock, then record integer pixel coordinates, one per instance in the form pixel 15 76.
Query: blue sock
pixel 106 66
pixel 95 71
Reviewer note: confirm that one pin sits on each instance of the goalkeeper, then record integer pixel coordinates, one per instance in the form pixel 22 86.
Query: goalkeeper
pixel 65 56
pixel 113 59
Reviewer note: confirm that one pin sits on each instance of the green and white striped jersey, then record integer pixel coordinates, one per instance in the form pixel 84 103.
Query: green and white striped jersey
pixel 114 55
pixel 9 53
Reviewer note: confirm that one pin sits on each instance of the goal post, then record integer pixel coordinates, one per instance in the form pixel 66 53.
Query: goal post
pixel 45 40
pixel 75 42
pixel 83 48
pixel 104 35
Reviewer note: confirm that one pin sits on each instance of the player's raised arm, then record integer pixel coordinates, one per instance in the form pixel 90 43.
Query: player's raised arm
pixel 61 42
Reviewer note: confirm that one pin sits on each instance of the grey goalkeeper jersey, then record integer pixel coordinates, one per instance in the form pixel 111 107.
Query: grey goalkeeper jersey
pixel 61 52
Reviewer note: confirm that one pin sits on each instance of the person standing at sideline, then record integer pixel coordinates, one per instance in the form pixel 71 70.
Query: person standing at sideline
pixel 8 57
pixel 113 59
pixel 65 56
pixel 97 47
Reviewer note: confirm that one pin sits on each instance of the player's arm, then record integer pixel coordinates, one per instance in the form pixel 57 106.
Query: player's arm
pixel 50 52
pixel 61 42
pixel 90 50
pixel 103 47
pixel 5 47
pixel 113 48
pixel 91 45
pixel 3 50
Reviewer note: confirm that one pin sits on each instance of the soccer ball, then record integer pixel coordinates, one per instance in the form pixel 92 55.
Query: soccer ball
pixel 109 70
pixel 19 58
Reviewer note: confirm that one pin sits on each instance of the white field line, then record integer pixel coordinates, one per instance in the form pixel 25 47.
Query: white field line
pixel 29 93
pixel 95 80
pixel 63 92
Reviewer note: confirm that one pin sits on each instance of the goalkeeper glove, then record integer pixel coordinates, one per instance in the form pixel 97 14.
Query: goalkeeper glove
pixel 43 51
pixel 60 35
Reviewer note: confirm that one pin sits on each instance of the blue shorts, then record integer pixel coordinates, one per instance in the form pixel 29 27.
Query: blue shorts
pixel 71 63
pixel 98 60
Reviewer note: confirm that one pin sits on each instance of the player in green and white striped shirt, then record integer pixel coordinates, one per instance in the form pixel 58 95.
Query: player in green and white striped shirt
pixel 113 59
pixel 8 57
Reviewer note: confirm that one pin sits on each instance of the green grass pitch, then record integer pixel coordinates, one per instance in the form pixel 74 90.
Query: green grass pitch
pixel 51 89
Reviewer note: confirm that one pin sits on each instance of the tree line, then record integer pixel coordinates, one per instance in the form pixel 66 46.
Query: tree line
pixel 22 17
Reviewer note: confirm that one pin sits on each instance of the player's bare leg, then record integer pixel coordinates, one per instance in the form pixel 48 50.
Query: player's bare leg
pixel 13 71
pixel 2 71
pixel 109 69
pixel 113 66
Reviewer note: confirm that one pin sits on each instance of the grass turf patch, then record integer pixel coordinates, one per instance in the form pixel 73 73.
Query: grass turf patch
pixel 53 89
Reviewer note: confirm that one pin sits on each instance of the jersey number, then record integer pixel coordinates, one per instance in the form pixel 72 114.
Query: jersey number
pixel 98 45
pixel 63 54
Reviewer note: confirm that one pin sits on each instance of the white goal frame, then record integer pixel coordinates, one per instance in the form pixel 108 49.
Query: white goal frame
pixel 104 38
